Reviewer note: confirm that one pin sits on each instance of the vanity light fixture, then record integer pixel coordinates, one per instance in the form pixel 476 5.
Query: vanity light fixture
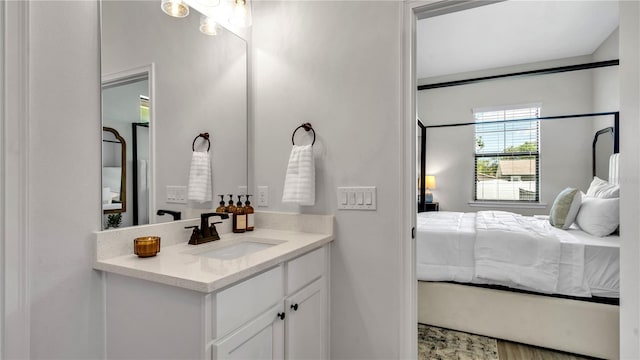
pixel 175 8
pixel 241 13
pixel 208 26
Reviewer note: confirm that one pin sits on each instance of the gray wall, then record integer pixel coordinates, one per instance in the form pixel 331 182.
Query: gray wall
pixel 65 294
pixel 120 108
pixel 345 75
pixel 629 179
pixel 565 144
pixel 316 62
pixel 450 150
pixel 606 97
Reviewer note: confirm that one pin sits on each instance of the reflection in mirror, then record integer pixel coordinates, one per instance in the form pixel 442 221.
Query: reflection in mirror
pixel 603 148
pixel 197 83
pixel 140 163
pixel 125 102
pixel 114 173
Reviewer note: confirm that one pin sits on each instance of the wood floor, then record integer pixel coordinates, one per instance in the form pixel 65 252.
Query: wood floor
pixel 514 351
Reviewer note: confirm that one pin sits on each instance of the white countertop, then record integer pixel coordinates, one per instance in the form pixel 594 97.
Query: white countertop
pixel 180 265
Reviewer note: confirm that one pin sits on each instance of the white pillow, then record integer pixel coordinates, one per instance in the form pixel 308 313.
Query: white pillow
pixel 599 217
pixel 603 189
pixel 565 208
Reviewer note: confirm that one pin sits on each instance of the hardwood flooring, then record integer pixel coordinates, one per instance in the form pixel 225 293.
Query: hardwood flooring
pixel 514 351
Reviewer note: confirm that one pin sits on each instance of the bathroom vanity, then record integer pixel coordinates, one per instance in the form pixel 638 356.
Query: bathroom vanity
pixel 257 295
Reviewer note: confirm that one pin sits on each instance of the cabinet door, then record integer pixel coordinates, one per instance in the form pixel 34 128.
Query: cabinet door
pixel 261 338
pixel 306 323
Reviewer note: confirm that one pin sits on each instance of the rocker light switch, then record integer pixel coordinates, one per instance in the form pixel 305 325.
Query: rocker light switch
pixel 357 198
pixel 176 194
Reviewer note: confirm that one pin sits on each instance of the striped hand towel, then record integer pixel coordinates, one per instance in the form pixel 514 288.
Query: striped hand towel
pixel 200 177
pixel 300 182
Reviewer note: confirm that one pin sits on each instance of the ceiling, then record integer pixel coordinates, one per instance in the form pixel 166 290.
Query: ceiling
pixel 512 33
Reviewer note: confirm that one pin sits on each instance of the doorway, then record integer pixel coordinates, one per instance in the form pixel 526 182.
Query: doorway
pixel 413 13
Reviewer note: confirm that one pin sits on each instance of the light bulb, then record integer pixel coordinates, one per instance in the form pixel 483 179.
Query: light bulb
pixel 208 26
pixel 240 16
pixel 175 8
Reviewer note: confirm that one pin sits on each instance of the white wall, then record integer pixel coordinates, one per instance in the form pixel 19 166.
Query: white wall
pixel 450 150
pixel 200 86
pixel 321 62
pixel 65 294
pixel 629 179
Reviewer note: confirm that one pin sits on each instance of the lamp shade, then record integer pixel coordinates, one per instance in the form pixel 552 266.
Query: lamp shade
pixel 430 182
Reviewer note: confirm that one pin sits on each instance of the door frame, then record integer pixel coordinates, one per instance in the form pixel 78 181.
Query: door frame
pixel 15 296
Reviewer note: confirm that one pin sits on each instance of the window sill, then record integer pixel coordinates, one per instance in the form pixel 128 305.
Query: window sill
pixel 506 204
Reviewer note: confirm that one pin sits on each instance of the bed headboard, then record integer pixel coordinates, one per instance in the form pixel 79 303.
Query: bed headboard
pixel 614 168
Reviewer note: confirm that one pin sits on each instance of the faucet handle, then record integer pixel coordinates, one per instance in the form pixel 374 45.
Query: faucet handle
pixel 213 232
pixel 195 235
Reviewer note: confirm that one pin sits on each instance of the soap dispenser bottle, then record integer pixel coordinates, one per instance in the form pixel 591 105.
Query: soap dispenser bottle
pixel 248 210
pixel 222 208
pixel 231 209
pixel 239 218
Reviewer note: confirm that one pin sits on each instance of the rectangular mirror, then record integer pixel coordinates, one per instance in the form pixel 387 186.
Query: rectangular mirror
pixel 164 82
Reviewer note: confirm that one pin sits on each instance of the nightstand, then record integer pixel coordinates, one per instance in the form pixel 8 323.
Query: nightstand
pixel 432 206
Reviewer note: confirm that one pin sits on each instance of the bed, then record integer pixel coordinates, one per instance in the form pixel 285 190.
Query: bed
pixel 518 278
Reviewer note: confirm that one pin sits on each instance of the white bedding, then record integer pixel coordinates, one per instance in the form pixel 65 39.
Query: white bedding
pixel 494 248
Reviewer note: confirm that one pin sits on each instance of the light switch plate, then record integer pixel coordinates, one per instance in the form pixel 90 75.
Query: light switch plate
pixel 357 198
pixel 263 196
pixel 176 194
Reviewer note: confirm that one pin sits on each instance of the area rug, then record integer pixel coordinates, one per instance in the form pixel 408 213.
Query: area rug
pixel 442 344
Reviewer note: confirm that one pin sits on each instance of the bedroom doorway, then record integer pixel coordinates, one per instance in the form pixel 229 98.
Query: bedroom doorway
pixel 414 13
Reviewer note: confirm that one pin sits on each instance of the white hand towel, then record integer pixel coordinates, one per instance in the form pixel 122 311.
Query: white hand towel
pixel 200 177
pixel 300 181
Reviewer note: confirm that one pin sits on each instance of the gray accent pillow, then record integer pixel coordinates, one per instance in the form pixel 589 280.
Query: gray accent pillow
pixel 565 208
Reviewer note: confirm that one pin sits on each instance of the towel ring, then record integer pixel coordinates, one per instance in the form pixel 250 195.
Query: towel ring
pixel 306 127
pixel 201 135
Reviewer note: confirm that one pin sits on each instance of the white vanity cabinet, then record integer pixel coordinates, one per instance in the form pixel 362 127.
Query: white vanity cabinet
pixel 280 313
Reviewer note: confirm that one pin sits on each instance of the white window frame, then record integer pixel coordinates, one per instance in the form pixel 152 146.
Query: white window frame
pixel 477 155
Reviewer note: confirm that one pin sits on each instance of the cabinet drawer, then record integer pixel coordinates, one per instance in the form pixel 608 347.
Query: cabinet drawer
pixel 303 270
pixel 242 302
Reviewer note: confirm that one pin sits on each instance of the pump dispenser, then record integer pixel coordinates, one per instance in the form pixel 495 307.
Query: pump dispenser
pixel 239 218
pixel 248 210
pixel 221 208
pixel 231 209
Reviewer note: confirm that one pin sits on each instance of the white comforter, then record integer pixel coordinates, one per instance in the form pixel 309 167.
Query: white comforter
pixel 497 247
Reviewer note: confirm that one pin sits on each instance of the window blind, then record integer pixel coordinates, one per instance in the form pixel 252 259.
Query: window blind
pixel 507 161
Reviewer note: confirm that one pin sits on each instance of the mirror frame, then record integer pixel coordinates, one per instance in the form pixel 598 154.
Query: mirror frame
pixel 123 172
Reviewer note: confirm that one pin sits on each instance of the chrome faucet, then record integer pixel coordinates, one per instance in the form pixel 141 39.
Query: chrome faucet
pixel 206 232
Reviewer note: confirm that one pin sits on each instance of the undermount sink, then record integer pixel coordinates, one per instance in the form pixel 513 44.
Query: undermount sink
pixel 236 250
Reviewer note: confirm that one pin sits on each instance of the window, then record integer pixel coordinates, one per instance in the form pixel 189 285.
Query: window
pixel 507 166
